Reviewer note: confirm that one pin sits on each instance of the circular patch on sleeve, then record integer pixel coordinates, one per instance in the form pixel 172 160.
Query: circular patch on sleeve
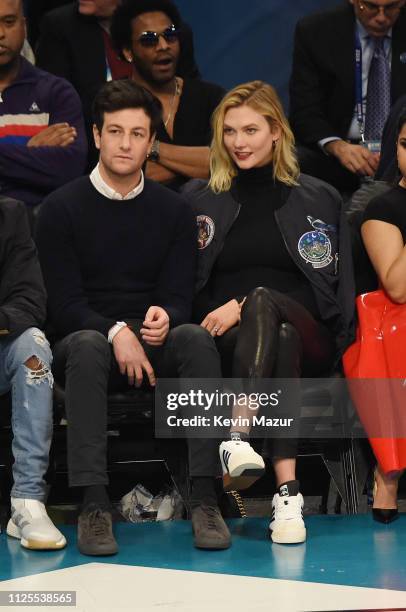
pixel 315 248
pixel 205 231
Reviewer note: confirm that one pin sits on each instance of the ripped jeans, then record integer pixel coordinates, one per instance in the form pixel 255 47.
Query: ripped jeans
pixel 31 388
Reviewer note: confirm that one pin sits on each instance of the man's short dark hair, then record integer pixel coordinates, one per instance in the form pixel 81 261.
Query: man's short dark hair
pixel 122 94
pixel 121 29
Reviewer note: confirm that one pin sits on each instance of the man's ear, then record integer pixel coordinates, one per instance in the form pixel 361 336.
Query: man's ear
pixel 128 56
pixel 96 136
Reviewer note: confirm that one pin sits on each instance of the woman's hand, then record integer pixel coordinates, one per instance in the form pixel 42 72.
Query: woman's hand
pixel 222 319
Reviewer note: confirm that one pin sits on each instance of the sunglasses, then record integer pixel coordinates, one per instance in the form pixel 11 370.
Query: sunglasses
pixel 373 9
pixel 151 39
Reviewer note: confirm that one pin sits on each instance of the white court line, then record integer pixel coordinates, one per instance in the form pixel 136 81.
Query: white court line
pixel 106 587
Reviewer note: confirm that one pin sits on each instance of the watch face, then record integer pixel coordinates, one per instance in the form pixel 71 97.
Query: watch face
pixel 153 156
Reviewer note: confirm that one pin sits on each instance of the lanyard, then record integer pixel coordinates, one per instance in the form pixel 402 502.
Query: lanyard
pixel 358 86
pixel 109 76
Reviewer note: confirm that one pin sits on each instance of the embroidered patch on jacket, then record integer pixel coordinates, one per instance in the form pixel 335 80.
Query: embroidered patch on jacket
pixel 205 231
pixel 315 246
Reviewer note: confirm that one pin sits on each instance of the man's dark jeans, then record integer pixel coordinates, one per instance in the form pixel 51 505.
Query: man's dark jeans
pixel 85 364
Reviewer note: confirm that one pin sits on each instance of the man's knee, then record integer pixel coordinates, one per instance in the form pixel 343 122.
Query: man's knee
pixel 32 343
pixel 88 350
pixel 189 341
pixel 193 352
pixel 32 350
pixel 38 372
pixel 191 335
pixel 89 341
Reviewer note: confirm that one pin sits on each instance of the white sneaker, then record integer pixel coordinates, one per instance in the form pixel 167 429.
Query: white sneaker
pixel 31 524
pixel 287 525
pixel 241 465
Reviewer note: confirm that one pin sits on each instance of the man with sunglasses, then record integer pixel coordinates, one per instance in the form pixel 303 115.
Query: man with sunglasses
pixel 75 43
pixel 349 66
pixel 147 34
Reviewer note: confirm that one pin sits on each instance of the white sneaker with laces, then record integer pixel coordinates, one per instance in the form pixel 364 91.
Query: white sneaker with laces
pixel 241 465
pixel 31 524
pixel 287 525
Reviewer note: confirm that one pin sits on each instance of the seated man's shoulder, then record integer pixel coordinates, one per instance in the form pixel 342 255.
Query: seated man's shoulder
pixel 47 85
pixel 63 15
pixel 52 80
pixel 322 21
pixel 72 195
pixel 204 88
pixel 165 198
pixel 161 193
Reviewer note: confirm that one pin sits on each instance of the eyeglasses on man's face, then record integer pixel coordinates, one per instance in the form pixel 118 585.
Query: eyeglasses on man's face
pixel 373 9
pixel 151 39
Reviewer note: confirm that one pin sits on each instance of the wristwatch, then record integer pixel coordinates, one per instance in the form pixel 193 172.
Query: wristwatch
pixel 154 154
pixel 115 329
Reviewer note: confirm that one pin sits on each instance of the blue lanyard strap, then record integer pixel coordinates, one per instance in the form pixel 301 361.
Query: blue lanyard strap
pixel 358 85
pixel 109 76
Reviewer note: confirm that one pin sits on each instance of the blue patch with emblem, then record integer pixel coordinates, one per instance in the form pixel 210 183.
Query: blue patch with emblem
pixel 315 246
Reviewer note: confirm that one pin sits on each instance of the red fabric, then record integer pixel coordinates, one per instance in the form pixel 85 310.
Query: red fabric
pixel 120 69
pixel 379 353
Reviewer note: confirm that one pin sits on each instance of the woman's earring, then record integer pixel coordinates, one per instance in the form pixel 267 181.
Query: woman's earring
pixel 274 143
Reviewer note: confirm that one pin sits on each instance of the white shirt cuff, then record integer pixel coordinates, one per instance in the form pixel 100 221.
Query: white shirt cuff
pixel 322 143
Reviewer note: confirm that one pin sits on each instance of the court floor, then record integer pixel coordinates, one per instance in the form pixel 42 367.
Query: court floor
pixel 348 563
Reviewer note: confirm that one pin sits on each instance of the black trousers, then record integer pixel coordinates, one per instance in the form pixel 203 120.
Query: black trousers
pixel 279 338
pixel 85 364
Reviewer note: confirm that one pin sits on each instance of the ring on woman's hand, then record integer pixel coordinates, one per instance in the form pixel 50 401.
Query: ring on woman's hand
pixel 215 330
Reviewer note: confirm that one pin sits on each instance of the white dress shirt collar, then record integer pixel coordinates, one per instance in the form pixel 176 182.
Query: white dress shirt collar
pixel 102 187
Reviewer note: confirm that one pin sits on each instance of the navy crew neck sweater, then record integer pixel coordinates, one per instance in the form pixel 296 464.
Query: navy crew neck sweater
pixel 110 260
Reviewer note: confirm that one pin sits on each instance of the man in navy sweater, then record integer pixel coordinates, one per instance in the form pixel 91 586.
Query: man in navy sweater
pixel 118 254
pixel 42 138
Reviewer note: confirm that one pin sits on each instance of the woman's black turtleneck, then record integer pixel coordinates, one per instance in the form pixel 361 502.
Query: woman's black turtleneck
pixel 254 253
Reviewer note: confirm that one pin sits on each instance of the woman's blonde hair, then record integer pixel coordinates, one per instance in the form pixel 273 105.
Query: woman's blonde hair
pixel 263 99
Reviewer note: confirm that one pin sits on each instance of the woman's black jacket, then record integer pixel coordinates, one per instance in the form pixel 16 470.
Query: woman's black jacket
pixel 316 235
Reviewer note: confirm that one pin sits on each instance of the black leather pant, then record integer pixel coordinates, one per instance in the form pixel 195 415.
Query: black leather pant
pixel 278 338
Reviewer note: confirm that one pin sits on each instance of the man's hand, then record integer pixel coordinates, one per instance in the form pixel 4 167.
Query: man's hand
pixel 131 357
pixel 56 135
pixel 222 319
pixel 155 326
pixel 355 158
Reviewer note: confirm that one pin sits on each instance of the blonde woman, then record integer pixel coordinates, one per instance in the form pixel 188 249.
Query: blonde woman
pixel 270 287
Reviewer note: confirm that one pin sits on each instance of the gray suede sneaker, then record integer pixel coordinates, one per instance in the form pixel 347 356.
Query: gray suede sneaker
pixel 95 531
pixel 209 528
